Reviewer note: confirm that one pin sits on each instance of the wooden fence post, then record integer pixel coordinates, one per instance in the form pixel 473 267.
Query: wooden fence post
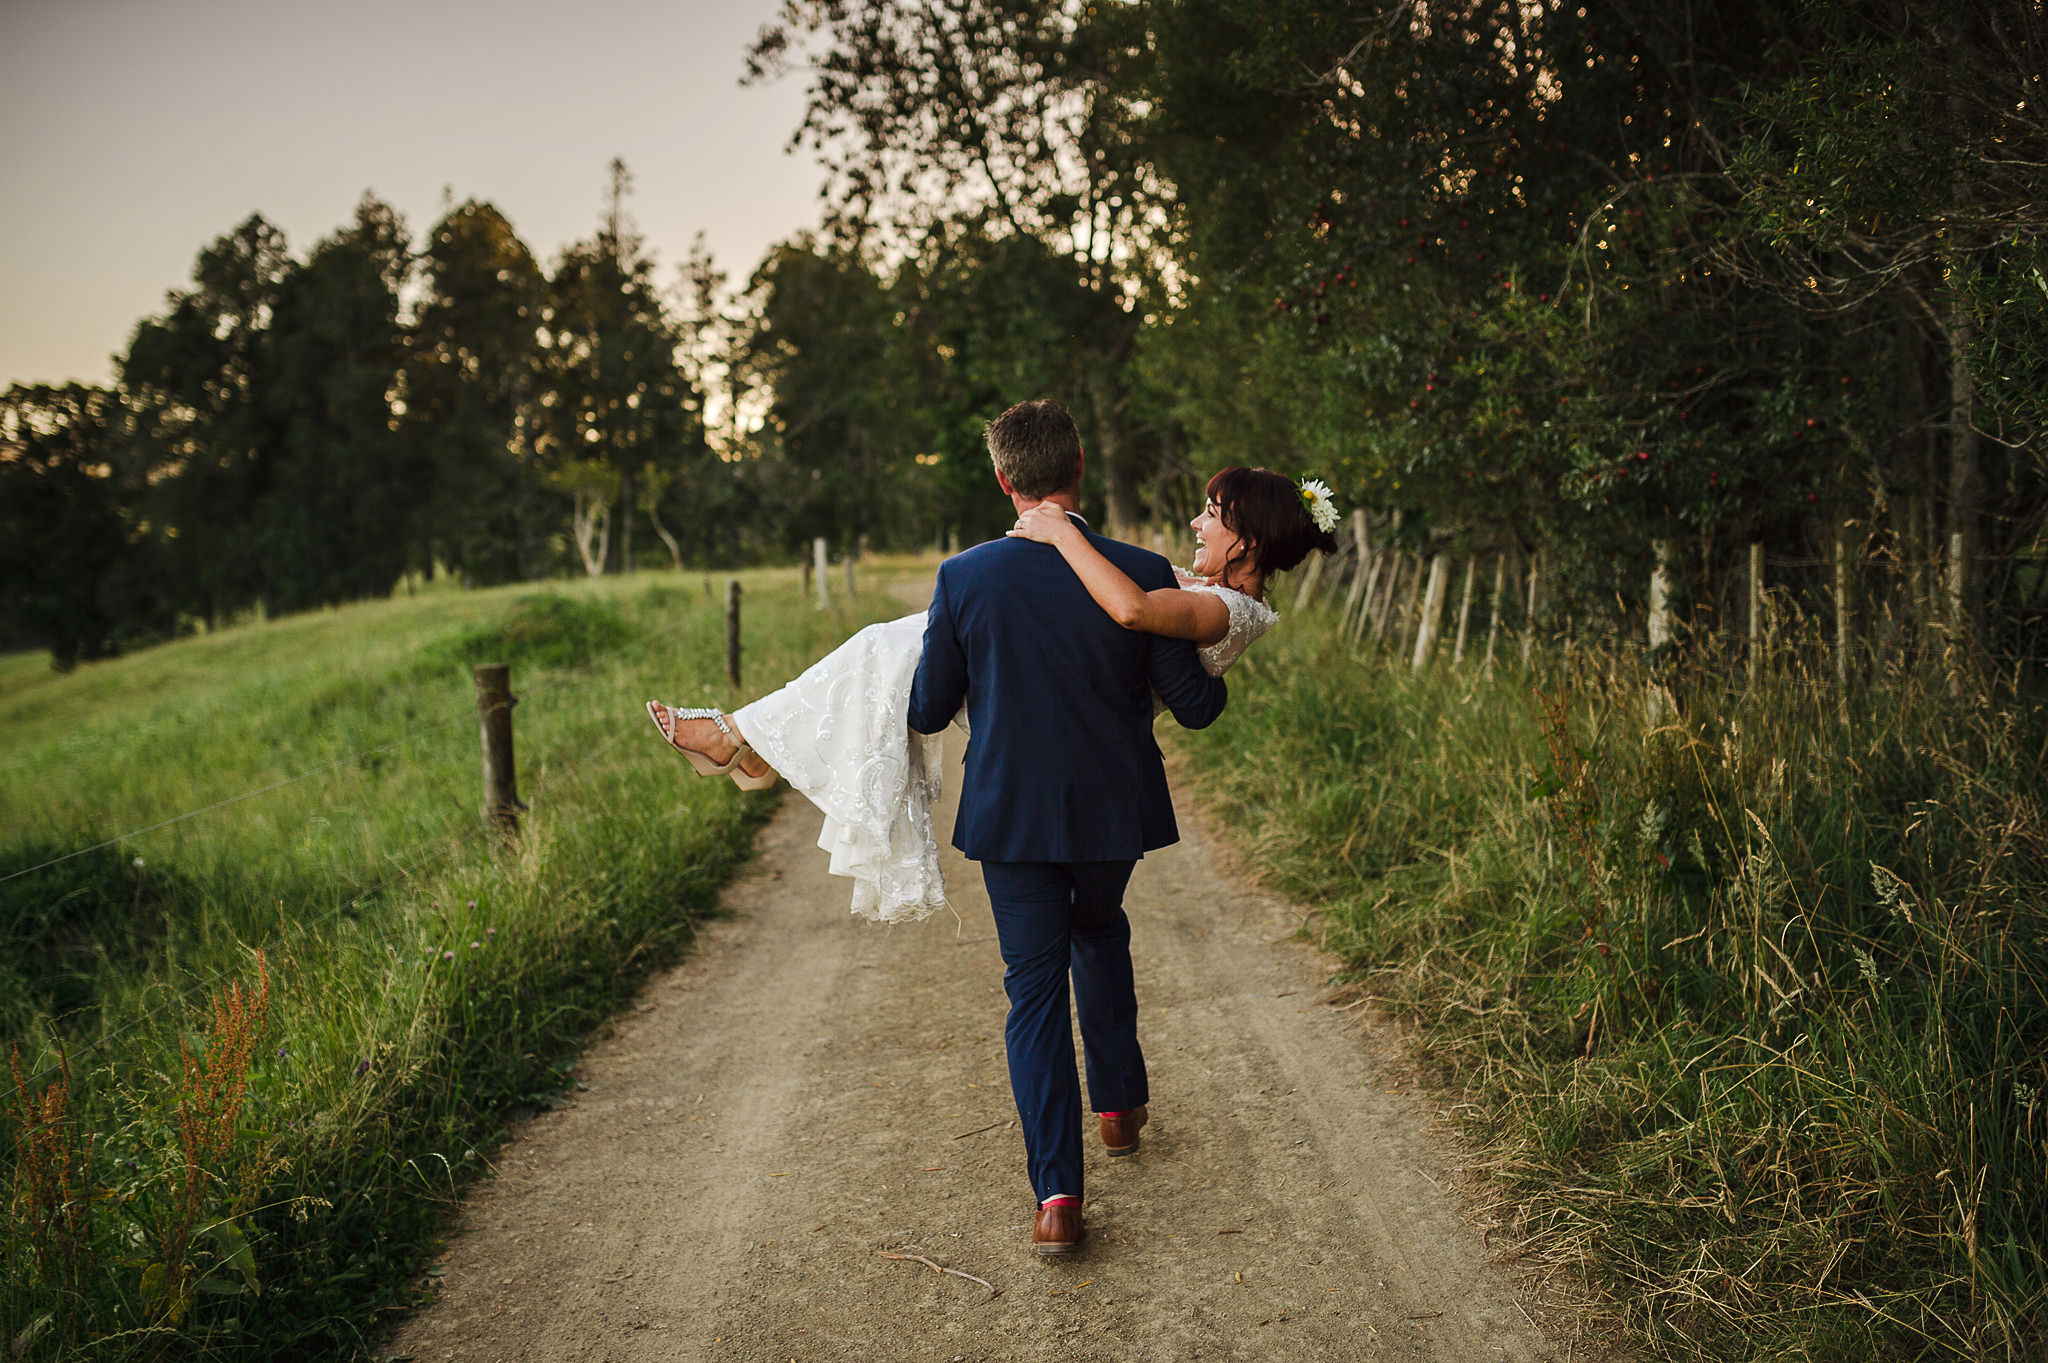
pixel 1500 582
pixel 1432 609
pixel 851 559
pixel 1382 611
pixel 494 702
pixel 1368 595
pixel 1465 611
pixel 1305 594
pixel 1529 612
pixel 1663 625
pixel 1393 617
pixel 819 564
pixel 1363 551
pixel 732 631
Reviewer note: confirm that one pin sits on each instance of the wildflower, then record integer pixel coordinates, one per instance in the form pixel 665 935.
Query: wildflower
pixel 282 1051
pixel 1320 503
pixel 490 932
pixel 140 863
pixel 475 945
pixel 447 955
pixel 472 903
pixel 363 1065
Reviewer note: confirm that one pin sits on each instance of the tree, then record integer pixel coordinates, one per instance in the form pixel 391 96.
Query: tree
pixel 616 398
pixel 77 560
pixel 470 390
pixel 338 517
pixel 1012 118
pixel 194 379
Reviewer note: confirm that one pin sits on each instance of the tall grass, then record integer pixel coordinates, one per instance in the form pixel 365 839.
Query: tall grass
pixel 1744 993
pixel 195 1173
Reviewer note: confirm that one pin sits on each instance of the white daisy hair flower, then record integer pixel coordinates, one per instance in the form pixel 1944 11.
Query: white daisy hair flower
pixel 1321 503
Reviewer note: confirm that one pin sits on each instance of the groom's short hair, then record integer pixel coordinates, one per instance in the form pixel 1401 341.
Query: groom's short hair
pixel 1037 447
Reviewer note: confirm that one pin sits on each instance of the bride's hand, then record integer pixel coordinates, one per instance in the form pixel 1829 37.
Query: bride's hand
pixel 1043 523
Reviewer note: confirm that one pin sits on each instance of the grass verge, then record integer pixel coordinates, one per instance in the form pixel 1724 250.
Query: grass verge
pixel 260 1051
pixel 1742 996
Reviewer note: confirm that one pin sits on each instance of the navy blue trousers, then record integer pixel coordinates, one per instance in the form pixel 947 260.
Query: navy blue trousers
pixel 1053 918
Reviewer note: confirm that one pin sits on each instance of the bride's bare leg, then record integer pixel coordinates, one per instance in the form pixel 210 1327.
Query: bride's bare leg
pixel 704 736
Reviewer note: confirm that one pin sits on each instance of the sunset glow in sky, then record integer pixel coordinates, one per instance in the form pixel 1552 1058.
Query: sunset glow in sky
pixel 138 132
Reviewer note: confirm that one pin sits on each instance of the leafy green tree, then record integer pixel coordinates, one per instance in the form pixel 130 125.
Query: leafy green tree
pixel 1003 119
pixel 194 379
pixel 470 389
pixel 76 558
pixel 337 519
pixel 839 431
pixel 615 398
pixel 1889 174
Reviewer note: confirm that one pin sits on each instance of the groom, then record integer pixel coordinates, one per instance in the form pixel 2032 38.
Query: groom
pixel 1064 791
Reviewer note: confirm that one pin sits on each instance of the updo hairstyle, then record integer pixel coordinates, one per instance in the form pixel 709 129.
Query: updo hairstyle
pixel 1265 510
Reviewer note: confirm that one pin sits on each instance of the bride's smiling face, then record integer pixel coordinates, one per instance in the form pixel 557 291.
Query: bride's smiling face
pixel 1215 542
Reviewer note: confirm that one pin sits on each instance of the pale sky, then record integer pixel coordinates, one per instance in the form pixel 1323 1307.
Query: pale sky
pixel 138 131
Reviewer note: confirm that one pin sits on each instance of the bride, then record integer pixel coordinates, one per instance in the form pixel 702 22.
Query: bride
pixel 839 733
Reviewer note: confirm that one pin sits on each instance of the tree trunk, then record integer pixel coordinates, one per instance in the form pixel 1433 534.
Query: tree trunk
pixel 590 521
pixel 675 551
pixel 625 564
pixel 1756 610
pixel 1965 589
pixel 1845 580
pixel 1119 481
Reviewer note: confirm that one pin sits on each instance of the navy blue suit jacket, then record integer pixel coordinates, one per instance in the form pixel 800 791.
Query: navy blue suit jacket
pixel 1061 763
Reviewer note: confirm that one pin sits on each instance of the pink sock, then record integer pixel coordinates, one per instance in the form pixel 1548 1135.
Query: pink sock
pixel 1061 1200
pixel 1115 1114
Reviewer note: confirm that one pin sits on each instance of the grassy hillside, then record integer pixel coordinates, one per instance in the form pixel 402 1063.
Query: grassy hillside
pixel 216 1152
pixel 1743 995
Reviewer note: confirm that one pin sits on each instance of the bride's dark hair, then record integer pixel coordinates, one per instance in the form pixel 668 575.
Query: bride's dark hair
pixel 1273 527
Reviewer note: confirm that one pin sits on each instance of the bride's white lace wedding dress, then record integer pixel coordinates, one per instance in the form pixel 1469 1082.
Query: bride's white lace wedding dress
pixel 838 733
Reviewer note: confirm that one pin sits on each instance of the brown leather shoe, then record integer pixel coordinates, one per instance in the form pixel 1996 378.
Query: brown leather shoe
pixel 1120 1133
pixel 1058 1230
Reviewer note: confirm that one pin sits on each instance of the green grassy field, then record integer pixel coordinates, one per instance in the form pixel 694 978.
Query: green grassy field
pixel 212 1154
pixel 1743 997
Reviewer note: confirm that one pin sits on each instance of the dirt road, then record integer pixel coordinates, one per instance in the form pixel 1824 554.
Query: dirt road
pixel 809 1092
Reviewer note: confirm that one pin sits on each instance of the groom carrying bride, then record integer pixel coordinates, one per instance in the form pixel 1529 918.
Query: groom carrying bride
pixel 1064 792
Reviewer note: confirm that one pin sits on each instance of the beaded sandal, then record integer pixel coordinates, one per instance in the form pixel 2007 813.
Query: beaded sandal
pixel 702 762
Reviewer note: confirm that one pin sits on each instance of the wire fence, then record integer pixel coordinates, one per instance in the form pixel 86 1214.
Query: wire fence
pixel 548 683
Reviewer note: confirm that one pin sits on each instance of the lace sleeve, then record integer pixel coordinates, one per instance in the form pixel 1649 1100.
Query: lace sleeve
pixel 1248 620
